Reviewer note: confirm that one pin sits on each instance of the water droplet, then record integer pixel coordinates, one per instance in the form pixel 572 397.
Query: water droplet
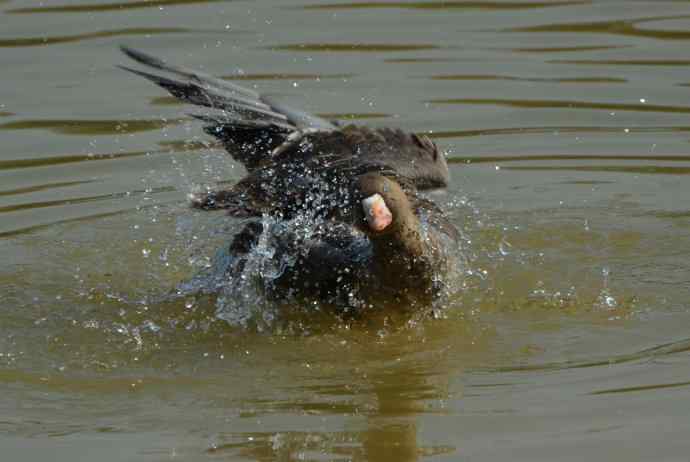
pixel 504 247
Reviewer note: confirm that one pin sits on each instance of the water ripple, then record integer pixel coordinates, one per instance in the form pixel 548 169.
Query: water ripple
pixel 559 157
pixel 354 47
pixel 80 200
pixel 13 164
pixel 46 40
pixel 563 49
pixel 444 6
pixel 353 115
pixel 625 27
pixel 528 79
pixel 556 104
pixel 286 76
pixel 423 60
pixel 554 130
pixel 34 228
pixel 90 127
pixel 623 62
pixel 666 349
pixel 657 386
pixel 94 8
pixel 637 169
pixel 166 148
pixel 43 187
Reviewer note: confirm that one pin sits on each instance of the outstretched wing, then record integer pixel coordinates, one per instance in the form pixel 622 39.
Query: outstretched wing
pixel 291 154
pixel 250 125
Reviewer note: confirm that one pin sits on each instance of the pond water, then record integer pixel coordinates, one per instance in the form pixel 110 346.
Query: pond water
pixel 566 127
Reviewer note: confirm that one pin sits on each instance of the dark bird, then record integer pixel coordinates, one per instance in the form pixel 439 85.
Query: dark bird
pixel 359 231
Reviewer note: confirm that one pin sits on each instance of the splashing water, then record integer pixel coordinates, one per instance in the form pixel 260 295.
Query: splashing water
pixel 246 284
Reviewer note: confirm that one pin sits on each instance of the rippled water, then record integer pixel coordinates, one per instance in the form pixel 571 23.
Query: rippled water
pixel 566 124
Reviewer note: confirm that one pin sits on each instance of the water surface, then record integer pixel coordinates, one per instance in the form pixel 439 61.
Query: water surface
pixel 566 128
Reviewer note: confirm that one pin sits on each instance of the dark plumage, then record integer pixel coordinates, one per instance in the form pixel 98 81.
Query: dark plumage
pixel 300 165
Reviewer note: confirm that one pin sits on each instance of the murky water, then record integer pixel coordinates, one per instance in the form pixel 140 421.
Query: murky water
pixel 566 124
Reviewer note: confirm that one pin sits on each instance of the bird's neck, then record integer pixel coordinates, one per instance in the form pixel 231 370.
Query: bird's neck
pixel 404 259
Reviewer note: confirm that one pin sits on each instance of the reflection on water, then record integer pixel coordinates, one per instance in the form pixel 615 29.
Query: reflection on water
pixel 388 430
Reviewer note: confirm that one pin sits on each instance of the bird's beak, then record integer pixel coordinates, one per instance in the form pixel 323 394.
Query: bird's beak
pixel 376 213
